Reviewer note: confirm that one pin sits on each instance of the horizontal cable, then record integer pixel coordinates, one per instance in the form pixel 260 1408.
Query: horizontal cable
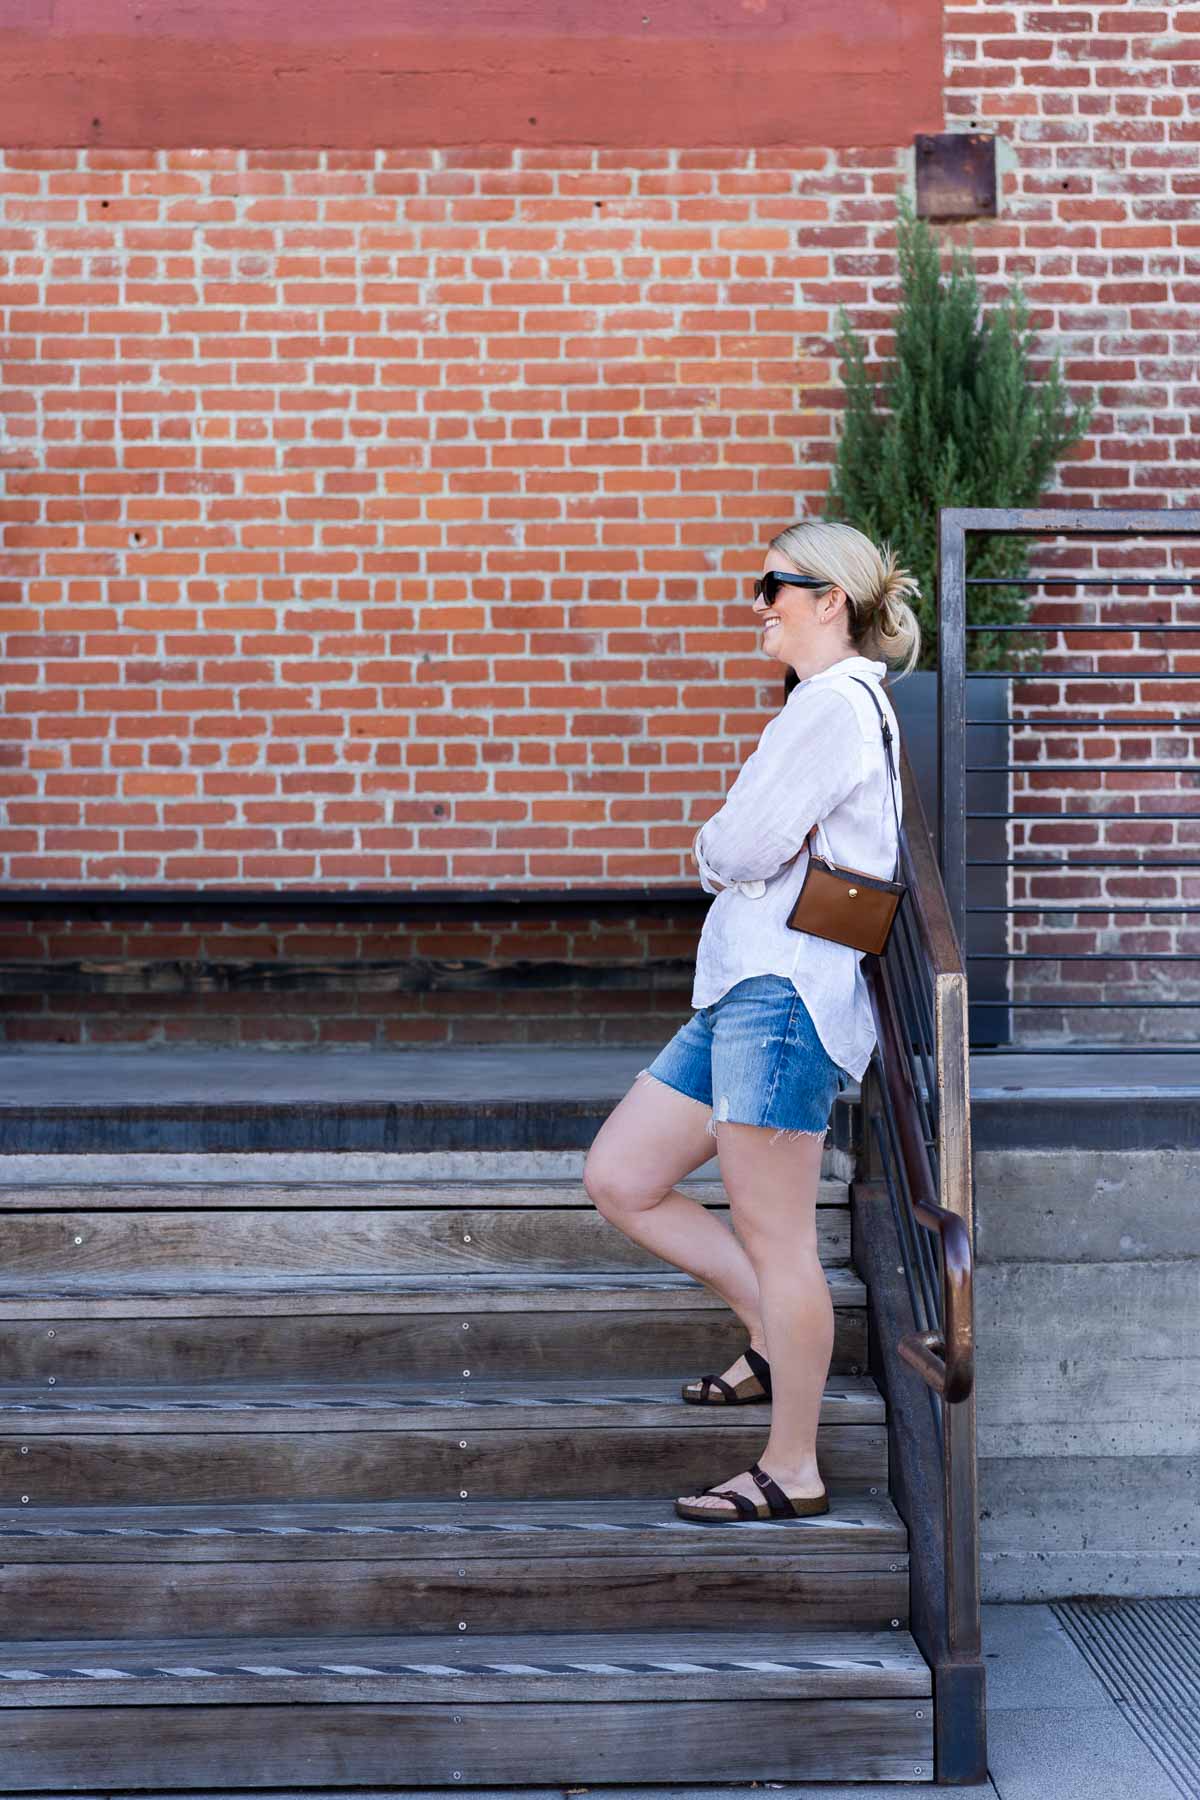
pixel 1079 862
pixel 1129 956
pixel 1050 627
pixel 1104 581
pixel 1082 768
pixel 1081 1005
pixel 1097 818
pixel 1073 719
pixel 1077 908
pixel 1084 1050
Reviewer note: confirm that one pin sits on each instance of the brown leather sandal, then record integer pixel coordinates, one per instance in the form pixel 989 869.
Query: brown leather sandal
pixel 697 1393
pixel 779 1505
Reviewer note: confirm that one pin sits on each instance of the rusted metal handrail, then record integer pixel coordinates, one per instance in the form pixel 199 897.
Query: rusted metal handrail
pixel 938 1173
pixel 915 1198
pixel 944 1358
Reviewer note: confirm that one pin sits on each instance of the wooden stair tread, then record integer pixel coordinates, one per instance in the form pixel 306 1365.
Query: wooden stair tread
pixel 69 1196
pixel 470 1404
pixel 526 1290
pixel 806 1663
pixel 857 1521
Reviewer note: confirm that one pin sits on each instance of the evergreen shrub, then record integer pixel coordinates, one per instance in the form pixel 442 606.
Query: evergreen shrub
pixel 960 420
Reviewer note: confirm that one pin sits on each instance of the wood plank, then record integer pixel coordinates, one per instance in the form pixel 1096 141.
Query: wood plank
pixel 576 1666
pixel 679 1588
pixel 532 1405
pixel 491 1194
pixel 862 1529
pixel 183 1465
pixel 200 1295
pixel 232 1748
pixel 350 1241
pixel 690 1332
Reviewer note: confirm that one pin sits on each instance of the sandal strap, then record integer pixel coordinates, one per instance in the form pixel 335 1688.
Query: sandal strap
pixel 761 1368
pixel 745 1508
pixel 708 1382
pixel 781 1507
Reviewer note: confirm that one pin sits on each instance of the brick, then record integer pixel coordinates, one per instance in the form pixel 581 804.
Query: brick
pixel 398 542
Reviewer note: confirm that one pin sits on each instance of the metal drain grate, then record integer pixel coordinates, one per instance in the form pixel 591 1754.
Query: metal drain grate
pixel 1147 1654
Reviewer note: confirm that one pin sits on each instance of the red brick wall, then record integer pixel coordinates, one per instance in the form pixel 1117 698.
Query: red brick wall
pixel 388 519
pixel 384 517
pixel 1098 106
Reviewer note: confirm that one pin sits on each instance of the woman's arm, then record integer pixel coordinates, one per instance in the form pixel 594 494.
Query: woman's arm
pixel 710 881
pixel 807 760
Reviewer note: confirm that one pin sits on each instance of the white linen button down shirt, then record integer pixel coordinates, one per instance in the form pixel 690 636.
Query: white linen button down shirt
pixel 820 760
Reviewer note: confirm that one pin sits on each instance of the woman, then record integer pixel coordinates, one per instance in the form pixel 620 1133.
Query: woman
pixel 782 1019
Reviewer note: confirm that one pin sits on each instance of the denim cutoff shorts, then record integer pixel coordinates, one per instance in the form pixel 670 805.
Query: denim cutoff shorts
pixel 755 1057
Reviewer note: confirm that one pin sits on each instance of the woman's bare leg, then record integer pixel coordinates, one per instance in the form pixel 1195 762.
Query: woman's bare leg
pixel 652 1138
pixel 772 1180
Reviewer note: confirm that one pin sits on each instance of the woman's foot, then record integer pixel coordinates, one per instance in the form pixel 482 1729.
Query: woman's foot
pixel 745 1381
pixel 806 1484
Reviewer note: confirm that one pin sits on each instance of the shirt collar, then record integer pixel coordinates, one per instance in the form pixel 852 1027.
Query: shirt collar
pixel 848 665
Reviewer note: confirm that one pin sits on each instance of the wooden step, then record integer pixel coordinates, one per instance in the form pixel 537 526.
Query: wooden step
pixel 199 1293
pixel 438 1709
pixel 338 1241
pixel 557 1439
pixel 586 1591
pixel 256 1192
pixel 317 1552
pixel 527 1566
pixel 474 1405
pixel 534 1327
pixel 615 1665
pixel 861 1521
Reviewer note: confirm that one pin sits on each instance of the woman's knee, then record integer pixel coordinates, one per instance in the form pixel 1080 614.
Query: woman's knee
pixel 608 1183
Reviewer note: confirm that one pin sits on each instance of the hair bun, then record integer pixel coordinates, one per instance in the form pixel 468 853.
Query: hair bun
pixel 879 621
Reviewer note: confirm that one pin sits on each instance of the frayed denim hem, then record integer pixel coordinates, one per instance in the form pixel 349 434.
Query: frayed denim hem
pixel 788 1133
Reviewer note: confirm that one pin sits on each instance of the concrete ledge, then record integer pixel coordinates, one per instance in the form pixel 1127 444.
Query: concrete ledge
pixel 1055 1526
pixel 509 1097
pixel 459 1098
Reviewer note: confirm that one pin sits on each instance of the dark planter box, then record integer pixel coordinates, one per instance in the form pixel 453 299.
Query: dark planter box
pixel 915 698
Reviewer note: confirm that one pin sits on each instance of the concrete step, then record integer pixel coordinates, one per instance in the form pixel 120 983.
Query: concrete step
pixel 536 1097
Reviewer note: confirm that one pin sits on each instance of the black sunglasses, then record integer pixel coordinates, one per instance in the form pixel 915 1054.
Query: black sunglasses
pixel 769 584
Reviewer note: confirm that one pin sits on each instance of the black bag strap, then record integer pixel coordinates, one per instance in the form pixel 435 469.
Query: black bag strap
pixel 887 757
pixel 887 752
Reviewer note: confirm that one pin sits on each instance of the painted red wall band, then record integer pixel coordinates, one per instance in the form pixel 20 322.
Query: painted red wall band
pixel 269 74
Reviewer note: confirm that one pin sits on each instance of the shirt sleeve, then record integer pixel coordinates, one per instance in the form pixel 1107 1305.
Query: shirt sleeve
pixel 710 881
pixel 807 761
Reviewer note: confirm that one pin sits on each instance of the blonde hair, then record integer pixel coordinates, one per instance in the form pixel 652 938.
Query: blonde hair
pixel 882 623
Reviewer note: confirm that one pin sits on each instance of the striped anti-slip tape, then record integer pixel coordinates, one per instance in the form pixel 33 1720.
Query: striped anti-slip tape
pixel 325 1402
pixel 818 1522
pixel 212 1670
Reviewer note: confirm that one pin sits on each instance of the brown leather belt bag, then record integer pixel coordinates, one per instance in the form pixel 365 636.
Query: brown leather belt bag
pixel 845 905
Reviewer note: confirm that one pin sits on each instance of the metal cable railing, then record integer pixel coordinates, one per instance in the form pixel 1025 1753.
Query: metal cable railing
pixel 1080 820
